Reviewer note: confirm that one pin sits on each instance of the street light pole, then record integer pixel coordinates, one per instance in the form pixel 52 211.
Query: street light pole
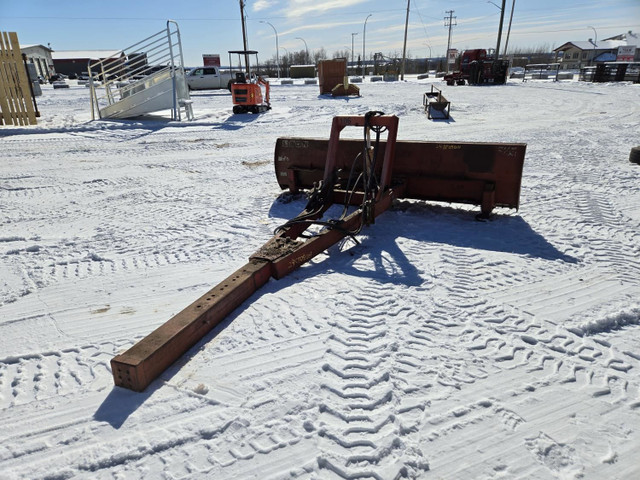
pixel 364 37
pixel 277 48
pixel 352 36
pixel 305 47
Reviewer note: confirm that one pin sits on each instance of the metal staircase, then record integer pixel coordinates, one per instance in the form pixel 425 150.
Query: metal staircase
pixel 144 78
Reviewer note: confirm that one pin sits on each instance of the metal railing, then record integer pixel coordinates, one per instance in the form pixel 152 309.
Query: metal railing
pixel 611 72
pixel 541 71
pixel 145 77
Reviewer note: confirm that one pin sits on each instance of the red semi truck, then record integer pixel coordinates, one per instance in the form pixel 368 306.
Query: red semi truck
pixel 476 69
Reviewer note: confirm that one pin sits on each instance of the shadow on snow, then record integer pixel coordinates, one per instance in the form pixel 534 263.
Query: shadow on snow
pixel 420 221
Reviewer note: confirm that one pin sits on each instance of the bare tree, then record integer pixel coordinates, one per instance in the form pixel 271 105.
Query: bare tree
pixel 342 54
pixel 319 54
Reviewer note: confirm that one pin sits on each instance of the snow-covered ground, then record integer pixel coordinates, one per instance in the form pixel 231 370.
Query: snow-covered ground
pixel 440 347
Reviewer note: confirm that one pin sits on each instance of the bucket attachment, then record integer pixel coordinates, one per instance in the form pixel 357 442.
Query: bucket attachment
pixel 345 89
pixel 333 78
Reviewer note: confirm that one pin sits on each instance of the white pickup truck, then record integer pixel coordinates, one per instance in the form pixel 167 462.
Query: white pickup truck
pixel 208 78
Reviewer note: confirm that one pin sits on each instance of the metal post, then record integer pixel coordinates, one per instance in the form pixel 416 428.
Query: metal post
pixel 364 36
pixel 404 48
pixel 244 36
pixel 277 48
pixel 448 22
pixel 175 114
pixel 499 28
pixel 506 45
pixel 33 94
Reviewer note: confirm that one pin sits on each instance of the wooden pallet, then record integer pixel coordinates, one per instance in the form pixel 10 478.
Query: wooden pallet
pixel 16 102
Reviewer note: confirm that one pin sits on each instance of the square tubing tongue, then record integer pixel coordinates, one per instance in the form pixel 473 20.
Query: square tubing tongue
pixel 136 368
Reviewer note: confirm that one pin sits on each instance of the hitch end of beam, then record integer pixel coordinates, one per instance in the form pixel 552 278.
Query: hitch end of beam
pixel 136 368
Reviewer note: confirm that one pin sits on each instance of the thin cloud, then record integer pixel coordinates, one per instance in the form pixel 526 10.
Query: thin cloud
pixel 319 26
pixel 262 5
pixel 298 8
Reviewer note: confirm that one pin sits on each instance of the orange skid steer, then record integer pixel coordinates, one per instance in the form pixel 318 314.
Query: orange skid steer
pixel 368 175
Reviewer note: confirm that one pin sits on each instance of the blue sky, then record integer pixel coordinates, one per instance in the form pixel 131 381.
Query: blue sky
pixel 213 26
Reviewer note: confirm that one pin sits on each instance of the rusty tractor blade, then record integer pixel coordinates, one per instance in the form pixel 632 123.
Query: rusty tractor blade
pixel 484 174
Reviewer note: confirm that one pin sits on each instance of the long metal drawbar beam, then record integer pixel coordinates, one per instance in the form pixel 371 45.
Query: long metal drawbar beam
pixel 136 368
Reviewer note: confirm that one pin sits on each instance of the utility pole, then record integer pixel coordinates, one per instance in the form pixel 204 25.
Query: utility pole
pixel 244 36
pixel 500 30
pixel 506 45
pixel 404 48
pixel 449 22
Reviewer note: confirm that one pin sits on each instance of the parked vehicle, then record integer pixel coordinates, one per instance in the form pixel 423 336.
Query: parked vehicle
pixel 208 78
pixel 477 68
pixel 247 89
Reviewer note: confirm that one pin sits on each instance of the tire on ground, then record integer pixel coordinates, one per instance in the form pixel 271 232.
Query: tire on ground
pixel 634 156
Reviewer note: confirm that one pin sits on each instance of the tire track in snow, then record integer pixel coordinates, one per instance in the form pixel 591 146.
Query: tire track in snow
pixel 217 423
pixel 361 435
pixel 106 246
pixel 559 297
pixel 613 243
pixel 516 355
pixel 469 274
pixel 620 258
pixel 98 243
pixel 167 425
pixel 597 208
pixel 551 353
pixel 25 379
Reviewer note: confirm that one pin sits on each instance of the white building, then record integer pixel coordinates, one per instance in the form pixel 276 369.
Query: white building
pixel 41 57
pixel 577 54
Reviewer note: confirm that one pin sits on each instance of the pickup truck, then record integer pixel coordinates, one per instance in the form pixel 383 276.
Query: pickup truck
pixel 208 78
